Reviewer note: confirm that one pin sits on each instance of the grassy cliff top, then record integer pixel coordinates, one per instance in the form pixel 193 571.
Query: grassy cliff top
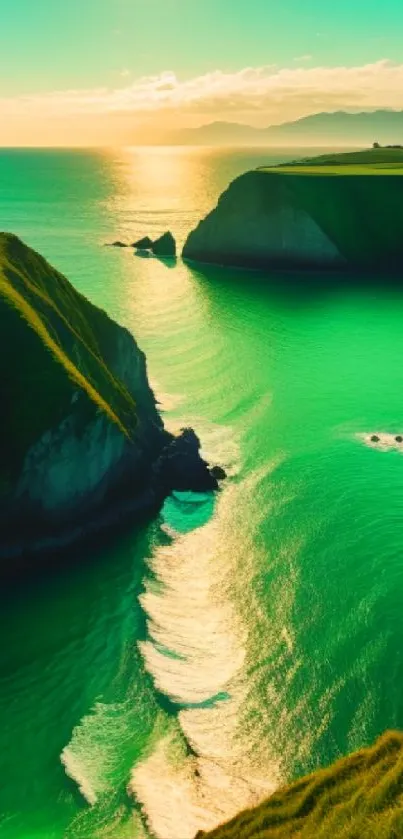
pixel 360 797
pixel 355 198
pixel 54 352
pixel 367 162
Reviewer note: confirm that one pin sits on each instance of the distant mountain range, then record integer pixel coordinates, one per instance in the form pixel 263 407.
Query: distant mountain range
pixel 339 128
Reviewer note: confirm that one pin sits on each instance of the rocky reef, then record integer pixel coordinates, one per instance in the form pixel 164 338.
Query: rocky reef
pixel 82 445
pixel 143 244
pixel 359 797
pixel 164 246
pixel 340 212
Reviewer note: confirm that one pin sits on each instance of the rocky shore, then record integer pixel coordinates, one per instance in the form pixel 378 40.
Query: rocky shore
pixel 82 445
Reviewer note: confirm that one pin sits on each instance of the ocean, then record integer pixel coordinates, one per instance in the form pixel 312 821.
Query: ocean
pixel 158 686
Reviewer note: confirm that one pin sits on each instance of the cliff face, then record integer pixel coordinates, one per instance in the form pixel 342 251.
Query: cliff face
pixel 81 440
pixel 360 797
pixel 313 215
pixel 259 223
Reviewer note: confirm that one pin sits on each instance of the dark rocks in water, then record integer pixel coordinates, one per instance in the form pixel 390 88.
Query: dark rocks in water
pixel 117 245
pixel 164 246
pixel 399 439
pixel 365 783
pixel 375 438
pixel 218 473
pixel 144 244
pixel 181 468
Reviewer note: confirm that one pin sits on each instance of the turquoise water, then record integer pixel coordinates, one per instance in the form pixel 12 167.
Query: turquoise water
pixel 231 644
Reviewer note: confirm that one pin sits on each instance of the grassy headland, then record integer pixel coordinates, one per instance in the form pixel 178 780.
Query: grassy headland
pixel 375 158
pixel 359 797
pixel 333 212
pixel 356 198
pixel 56 347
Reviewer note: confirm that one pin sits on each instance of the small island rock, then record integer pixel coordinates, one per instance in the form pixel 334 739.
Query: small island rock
pixel 375 438
pixel 144 244
pixel 118 244
pixel 164 246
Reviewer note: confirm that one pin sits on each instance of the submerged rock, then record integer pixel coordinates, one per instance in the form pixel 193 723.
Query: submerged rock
pixel 82 445
pixel 144 244
pixel 164 246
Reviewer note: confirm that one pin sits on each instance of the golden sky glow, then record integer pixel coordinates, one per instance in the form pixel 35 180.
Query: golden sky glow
pixel 149 108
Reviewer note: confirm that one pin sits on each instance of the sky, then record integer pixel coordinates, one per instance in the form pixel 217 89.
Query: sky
pixel 85 72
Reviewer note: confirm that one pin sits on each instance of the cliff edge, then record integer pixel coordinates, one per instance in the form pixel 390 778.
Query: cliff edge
pixel 337 212
pixel 81 440
pixel 359 797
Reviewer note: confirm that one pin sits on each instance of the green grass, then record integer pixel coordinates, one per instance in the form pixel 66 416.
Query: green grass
pixel 55 347
pixel 385 169
pixel 360 797
pixel 367 162
pixel 369 157
pixel 356 198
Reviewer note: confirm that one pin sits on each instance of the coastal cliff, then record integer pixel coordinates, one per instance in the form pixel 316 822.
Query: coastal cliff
pixel 359 797
pixel 339 212
pixel 81 442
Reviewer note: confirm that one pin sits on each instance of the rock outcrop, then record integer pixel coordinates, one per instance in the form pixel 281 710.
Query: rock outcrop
pixel 81 442
pixel 164 246
pixel 181 461
pixel 310 215
pixel 144 244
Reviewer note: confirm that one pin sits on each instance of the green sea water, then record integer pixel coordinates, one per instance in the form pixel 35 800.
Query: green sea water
pixel 231 644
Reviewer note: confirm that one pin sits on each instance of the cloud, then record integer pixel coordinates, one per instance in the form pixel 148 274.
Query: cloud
pixel 263 94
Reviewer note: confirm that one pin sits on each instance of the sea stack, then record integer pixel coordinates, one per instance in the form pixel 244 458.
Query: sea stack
pixel 143 244
pixel 164 246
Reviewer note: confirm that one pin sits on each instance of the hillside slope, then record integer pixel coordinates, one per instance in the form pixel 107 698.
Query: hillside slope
pixel 66 352
pixel 359 797
pixel 340 128
pixel 81 440
pixel 332 213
